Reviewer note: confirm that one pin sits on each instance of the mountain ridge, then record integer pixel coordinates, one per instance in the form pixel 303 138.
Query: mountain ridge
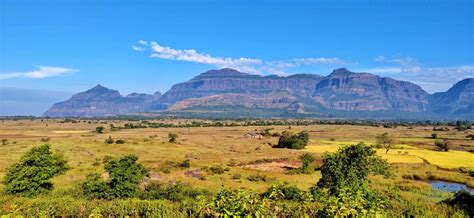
pixel 342 91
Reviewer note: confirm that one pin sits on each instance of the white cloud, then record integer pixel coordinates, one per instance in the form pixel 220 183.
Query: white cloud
pixel 41 72
pixel 248 65
pixel 432 79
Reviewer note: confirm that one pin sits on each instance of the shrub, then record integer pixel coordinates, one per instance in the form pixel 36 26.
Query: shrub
pixel 443 145
pixel 434 136
pixel 470 136
pixel 293 141
pixel 4 141
pixel 350 167
pixel 184 164
pixel 306 160
pixel 120 141
pixel 236 176
pixel 46 139
pixel 124 176
pixel 283 191
pixel 463 200
pixel 172 137
pixel 32 174
pixel 109 140
pixel 99 129
pixel 218 169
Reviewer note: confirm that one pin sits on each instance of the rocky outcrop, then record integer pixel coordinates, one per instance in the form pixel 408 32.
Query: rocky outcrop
pixel 100 101
pixel 458 100
pixel 349 91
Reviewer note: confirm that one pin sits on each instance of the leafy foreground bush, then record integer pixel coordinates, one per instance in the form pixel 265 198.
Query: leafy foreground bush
pixel 32 174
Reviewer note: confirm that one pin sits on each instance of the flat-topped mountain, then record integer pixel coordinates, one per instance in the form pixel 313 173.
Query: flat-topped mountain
pixel 228 90
pixel 100 101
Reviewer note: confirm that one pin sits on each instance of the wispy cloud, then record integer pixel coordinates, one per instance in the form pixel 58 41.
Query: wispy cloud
pixel 41 72
pixel 249 65
pixel 432 79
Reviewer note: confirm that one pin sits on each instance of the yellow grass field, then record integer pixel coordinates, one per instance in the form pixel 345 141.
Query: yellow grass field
pixel 224 146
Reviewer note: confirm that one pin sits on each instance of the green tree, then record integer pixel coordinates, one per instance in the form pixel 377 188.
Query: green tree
pixel 124 176
pixel 306 159
pixel 386 141
pixel 434 135
pixel 32 174
pixel 293 141
pixel 172 137
pixel 99 129
pixel 350 168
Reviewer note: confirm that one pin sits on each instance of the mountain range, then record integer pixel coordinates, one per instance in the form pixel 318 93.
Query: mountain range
pixel 230 93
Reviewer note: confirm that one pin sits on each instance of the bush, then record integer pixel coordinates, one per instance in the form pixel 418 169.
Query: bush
pixel 434 136
pixel 463 200
pixel 443 145
pixel 99 129
pixel 283 191
pixel 184 164
pixel 218 169
pixel 120 141
pixel 109 140
pixel 306 160
pixel 293 141
pixel 124 176
pixel 4 141
pixel 32 174
pixel 172 137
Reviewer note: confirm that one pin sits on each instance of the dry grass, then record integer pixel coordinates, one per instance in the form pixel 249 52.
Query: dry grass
pixel 209 146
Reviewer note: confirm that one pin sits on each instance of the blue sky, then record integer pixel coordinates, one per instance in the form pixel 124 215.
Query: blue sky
pixel 63 47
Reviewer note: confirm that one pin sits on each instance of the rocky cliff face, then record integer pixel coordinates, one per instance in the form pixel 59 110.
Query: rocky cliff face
pixel 101 101
pixel 458 100
pixel 348 91
pixel 341 91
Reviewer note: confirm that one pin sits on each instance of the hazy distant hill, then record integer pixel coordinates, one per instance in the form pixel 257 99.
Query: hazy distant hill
pixel 341 93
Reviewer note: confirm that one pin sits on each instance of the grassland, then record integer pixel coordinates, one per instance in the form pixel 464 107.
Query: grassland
pixel 231 148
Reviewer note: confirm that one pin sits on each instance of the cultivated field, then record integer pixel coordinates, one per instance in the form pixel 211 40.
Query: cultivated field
pixel 243 154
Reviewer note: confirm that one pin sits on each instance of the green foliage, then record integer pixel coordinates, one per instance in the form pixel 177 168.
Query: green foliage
pixel 228 203
pixel 350 167
pixel 293 141
pixel 172 137
pixel 217 169
pixel 349 202
pixel 32 174
pixel 4 141
pixel 259 178
pixel 386 141
pixel 173 192
pixel 443 145
pixel 463 200
pixel 184 164
pixel 434 135
pixel 99 129
pixel 283 191
pixel 306 159
pixel 124 176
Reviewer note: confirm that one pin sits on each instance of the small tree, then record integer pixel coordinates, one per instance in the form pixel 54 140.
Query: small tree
pixel 306 160
pixel 172 137
pixel 4 141
pixel 385 140
pixel 293 141
pixel 99 129
pixel 31 175
pixel 124 176
pixel 434 136
pixel 443 145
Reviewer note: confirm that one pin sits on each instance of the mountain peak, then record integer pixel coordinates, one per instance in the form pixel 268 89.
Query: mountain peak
pixel 99 87
pixel 341 71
